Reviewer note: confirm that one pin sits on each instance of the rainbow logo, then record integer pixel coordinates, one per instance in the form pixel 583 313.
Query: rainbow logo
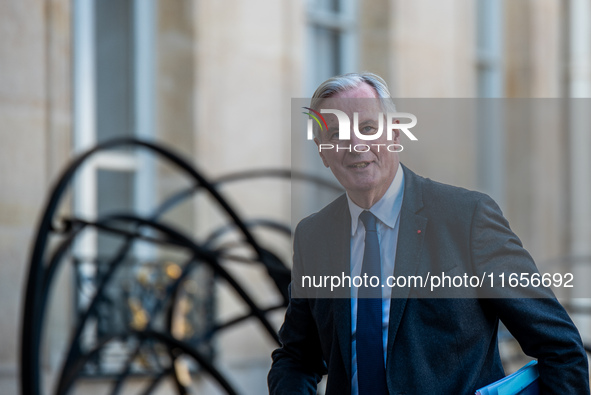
pixel 315 114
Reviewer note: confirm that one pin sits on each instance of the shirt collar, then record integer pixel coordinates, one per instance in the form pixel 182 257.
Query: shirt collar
pixel 387 208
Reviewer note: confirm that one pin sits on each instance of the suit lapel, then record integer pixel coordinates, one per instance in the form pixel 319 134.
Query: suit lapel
pixel 342 320
pixel 410 243
pixel 340 252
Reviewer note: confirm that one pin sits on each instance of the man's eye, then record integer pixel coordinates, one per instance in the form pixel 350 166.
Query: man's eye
pixel 368 130
pixel 333 135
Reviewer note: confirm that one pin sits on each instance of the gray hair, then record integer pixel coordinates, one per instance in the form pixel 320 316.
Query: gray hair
pixel 345 82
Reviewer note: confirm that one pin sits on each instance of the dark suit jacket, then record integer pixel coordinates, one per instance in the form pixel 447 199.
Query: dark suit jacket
pixel 439 346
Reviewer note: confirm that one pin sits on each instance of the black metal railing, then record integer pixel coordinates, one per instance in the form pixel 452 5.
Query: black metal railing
pixel 136 305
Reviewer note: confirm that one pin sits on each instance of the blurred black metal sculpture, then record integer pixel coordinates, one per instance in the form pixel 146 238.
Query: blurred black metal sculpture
pixel 146 324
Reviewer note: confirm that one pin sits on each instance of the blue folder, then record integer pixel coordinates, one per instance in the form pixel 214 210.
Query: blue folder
pixel 522 382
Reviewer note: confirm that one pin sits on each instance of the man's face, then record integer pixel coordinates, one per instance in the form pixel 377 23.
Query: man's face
pixel 365 175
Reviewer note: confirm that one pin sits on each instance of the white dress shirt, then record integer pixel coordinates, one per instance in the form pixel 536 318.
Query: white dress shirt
pixel 387 211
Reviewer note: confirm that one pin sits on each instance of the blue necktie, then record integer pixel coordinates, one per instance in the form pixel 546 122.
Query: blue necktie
pixel 371 373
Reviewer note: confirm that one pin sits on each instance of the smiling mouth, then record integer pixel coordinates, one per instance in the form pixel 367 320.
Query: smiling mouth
pixel 359 165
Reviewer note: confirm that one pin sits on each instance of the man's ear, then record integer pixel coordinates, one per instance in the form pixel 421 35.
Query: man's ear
pixel 320 152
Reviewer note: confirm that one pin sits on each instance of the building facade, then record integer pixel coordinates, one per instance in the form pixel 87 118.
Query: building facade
pixel 214 81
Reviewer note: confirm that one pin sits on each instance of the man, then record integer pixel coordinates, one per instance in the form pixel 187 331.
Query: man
pixel 391 221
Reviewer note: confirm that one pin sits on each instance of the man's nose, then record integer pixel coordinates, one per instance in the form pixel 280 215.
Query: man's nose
pixel 355 140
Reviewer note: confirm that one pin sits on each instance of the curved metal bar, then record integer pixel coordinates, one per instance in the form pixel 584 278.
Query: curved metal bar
pixel 266 223
pixel 187 268
pixel 142 336
pixel 178 197
pixel 207 255
pixel 242 318
pixel 154 384
pixel 187 349
pixel 210 258
pixel 275 267
pixel 71 354
pixel 113 265
pixel 101 225
pixel 61 249
pixel 31 331
pixel 121 376
pixel 172 370
pixel 174 373
pixel 171 292
pixel 169 320
pixel 174 295
pixel 172 201
pixel 52 268
pixel 79 363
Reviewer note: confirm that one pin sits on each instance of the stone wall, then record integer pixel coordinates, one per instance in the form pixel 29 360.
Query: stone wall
pixel 226 71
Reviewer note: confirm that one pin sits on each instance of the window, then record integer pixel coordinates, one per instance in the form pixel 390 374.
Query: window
pixel 113 97
pixel 332 40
